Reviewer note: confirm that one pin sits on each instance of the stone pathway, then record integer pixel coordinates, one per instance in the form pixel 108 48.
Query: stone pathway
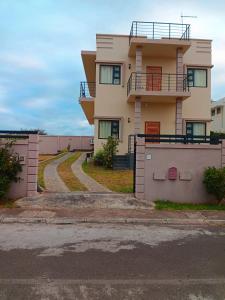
pixel 53 182
pixel 91 184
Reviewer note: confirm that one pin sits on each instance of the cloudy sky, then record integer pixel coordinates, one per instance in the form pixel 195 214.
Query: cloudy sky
pixel 41 40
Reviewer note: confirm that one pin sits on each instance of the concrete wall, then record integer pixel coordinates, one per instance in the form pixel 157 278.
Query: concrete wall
pixel 155 160
pixel 27 149
pixel 53 144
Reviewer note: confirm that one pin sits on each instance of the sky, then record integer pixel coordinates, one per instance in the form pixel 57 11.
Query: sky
pixel 41 41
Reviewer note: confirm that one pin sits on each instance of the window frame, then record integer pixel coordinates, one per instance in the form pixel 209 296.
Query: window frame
pixel 113 73
pixel 213 112
pixel 193 75
pixel 192 123
pixel 108 120
pixel 218 110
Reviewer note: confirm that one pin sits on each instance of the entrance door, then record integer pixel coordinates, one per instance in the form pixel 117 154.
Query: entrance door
pixel 152 128
pixel 153 78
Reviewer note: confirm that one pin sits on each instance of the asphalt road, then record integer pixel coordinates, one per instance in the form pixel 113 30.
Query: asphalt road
pixel 111 262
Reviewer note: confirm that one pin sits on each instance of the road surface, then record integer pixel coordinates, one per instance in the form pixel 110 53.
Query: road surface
pixel 103 261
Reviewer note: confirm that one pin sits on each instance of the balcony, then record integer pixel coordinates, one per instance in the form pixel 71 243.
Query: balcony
pixel 159 39
pixel 87 95
pixel 157 87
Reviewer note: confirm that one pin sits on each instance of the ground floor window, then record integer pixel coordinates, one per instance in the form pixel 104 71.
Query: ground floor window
pixel 196 128
pixel 108 128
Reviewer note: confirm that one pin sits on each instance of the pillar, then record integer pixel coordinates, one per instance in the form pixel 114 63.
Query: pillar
pixel 32 168
pixel 179 70
pixel 137 105
pixel 223 153
pixel 140 168
pixel 178 125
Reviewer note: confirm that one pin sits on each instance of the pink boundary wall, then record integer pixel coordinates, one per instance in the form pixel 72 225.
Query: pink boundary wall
pixel 154 160
pixel 50 144
pixel 29 149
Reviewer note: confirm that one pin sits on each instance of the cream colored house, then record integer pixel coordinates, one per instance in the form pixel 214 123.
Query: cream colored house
pixel 155 80
pixel 218 115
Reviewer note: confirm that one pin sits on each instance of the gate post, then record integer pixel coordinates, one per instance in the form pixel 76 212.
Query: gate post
pixel 32 168
pixel 140 168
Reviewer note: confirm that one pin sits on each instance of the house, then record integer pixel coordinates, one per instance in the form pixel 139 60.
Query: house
pixel 218 115
pixel 155 80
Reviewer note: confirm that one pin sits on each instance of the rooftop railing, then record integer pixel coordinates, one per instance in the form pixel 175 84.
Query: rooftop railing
pixel 87 89
pixel 157 82
pixel 157 30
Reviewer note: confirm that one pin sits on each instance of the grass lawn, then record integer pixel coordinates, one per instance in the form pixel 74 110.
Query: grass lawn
pixel 167 205
pixel 66 174
pixel 43 164
pixel 116 180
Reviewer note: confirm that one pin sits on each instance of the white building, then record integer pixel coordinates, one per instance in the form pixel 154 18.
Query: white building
pixel 218 115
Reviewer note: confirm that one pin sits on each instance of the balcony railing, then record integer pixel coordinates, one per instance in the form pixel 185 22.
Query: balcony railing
pixel 87 89
pixel 156 30
pixel 157 82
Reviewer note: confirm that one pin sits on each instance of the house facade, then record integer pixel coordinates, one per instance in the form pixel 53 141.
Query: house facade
pixel 155 80
pixel 218 115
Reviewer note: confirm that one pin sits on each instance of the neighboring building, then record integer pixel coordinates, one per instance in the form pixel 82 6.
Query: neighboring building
pixel 156 80
pixel 218 115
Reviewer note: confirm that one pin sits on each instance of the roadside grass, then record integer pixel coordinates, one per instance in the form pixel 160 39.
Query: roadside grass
pixel 168 205
pixel 67 175
pixel 116 180
pixel 42 166
pixel 8 203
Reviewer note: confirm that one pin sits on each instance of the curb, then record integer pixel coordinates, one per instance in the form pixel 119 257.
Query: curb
pixel 70 221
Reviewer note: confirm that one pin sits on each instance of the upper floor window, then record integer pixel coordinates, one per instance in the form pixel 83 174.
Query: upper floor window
pixel 110 74
pixel 197 77
pixel 213 112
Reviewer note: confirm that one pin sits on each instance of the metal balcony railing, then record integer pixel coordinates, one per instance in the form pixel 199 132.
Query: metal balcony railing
pixel 87 89
pixel 157 82
pixel 157 30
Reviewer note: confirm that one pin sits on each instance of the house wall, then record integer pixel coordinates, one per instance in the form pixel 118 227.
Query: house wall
pixel 27 185
pixel 111 100
pixel 153 163
pixel 54 144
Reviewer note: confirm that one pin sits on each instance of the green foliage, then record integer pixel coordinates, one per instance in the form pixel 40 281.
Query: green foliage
pixel 109 150
pixel 214 180
pixel 99 158
pixel 219 135
pixel 9 168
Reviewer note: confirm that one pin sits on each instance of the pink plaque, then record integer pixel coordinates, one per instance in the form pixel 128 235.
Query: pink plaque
pixel 172 173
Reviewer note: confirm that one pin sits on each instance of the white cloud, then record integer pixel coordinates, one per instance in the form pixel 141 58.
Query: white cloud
pixel 37 103
pixel 4 110
pixel 83 124
pixel 23 61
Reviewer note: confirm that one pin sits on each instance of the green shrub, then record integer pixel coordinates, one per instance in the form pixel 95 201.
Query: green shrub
pixel 99 158
pixel 214 180
pixel 109 150
pixel 9 168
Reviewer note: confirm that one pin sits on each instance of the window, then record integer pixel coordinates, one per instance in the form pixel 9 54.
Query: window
pixel 108 128
pixel 197 77
pixel 218 110
pixel 213 112
pixel 110 74
pixel 196 128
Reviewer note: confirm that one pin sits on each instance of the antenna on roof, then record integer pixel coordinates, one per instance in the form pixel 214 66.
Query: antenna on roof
pixel 182 17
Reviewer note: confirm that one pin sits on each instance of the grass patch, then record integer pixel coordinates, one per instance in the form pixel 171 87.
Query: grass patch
pixel 67 175
pixel 8 203
pixel 168 205
pixel 116 180
pixel 42 166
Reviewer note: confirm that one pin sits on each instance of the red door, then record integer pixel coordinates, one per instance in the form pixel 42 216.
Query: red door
pixel 152 128
pixel 153 78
